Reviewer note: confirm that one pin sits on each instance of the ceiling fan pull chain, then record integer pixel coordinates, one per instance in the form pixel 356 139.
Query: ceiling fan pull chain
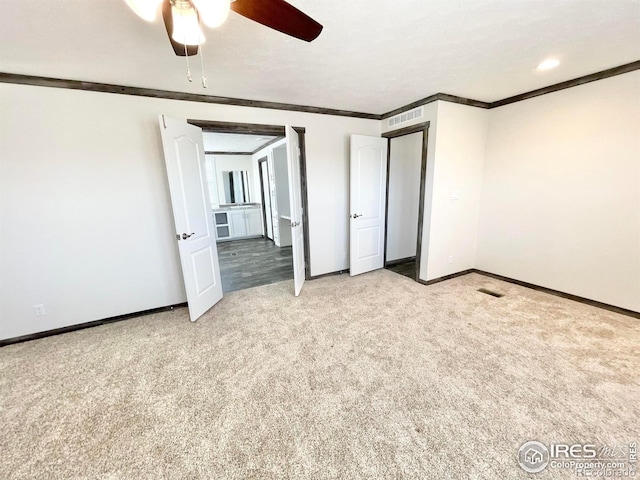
pixel 204 78
pixel 188 68
pixel 186 53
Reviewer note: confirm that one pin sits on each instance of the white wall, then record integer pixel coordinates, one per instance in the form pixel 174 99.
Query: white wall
pixel 430 114
pixel 457 172
pixel 455 160
pixel 405 163
pixel 561 196
pixel 85 218
pixel 212 181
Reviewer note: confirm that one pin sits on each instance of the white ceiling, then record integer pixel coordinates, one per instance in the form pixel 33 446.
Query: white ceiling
pixel 234 142
pixel 372 56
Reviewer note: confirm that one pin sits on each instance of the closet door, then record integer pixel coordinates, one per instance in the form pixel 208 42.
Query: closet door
pixel 368 181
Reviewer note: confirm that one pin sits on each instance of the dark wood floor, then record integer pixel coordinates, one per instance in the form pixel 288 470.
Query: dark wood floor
pixel 408 269
pixel 252 262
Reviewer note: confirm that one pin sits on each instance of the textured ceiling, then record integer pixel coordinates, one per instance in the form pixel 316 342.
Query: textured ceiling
pixel 372 56
pixel 233 142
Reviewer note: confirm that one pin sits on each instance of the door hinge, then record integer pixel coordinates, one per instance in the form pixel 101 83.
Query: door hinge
pixel 164 123
pixel 178 236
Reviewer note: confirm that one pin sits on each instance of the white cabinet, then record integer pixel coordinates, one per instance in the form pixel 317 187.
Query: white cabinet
pixel 221 221
pixel 238 223
pixel 235 223
pixel 253 222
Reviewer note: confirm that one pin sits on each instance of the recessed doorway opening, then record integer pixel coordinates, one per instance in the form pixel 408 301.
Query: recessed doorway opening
pixel 406 185
pixel 249 186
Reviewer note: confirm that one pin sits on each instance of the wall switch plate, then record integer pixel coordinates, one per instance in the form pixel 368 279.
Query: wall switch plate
pixel 454 194
pixel 450 258
pixel 39 310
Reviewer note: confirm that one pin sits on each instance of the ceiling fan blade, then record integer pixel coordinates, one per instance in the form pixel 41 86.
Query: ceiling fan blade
pixel 279 15
pixel 178 48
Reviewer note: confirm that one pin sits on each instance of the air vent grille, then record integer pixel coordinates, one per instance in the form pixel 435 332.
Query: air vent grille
pixel 406 116
pixel 490 292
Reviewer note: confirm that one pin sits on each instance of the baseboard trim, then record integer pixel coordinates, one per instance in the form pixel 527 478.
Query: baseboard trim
pixel 558 293
pixel 330 274
pixel 82 326
pixel 446 277
pixel 400 261
pixel 550 291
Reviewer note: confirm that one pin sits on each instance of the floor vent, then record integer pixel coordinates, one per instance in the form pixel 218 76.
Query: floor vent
pixel 405 117
pixel 489 292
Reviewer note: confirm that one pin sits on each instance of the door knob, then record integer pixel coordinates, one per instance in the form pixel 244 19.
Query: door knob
pixel 356 215
pixel 294 224
pixel 185 236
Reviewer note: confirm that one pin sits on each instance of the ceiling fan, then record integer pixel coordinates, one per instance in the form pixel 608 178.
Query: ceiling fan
pixel 182 18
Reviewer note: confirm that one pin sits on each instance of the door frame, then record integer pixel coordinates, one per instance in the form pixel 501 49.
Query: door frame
pixel 401 132
pixel 279 131
pixel 262 192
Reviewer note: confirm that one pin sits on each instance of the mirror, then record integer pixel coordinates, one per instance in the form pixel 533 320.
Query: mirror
pixel 236 186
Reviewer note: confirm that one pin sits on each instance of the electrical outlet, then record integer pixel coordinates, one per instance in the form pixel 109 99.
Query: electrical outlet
pixel 450 258
pixel 39 310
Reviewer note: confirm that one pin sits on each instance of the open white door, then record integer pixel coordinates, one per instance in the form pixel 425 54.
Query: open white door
pixel 368 180
pixel 295 200
pixel 184 156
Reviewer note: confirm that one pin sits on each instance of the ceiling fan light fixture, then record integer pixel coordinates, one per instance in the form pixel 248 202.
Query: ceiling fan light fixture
pixel 213 13
pixel 186 28
pixel 145 9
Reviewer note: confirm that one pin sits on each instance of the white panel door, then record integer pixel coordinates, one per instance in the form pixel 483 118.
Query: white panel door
pixel 184 157
pixel 368 180
pixel 295 201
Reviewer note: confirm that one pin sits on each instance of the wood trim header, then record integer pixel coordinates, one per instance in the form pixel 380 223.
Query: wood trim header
pixel 241 128
pixel 208 152
pixel 400 132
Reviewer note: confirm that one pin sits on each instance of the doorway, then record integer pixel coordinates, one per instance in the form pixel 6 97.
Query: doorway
pixel 260 254
pixel 406 181
pixel 265 189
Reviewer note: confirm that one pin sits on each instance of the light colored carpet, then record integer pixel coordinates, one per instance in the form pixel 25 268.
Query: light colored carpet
pixel 368 377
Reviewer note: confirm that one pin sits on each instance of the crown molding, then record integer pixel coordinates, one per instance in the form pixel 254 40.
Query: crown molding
pixel 611 72
pixel 434 98
pixel 167 94
pixel 192 97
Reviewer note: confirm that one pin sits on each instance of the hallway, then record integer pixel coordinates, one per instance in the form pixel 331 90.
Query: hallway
pixel 253 262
